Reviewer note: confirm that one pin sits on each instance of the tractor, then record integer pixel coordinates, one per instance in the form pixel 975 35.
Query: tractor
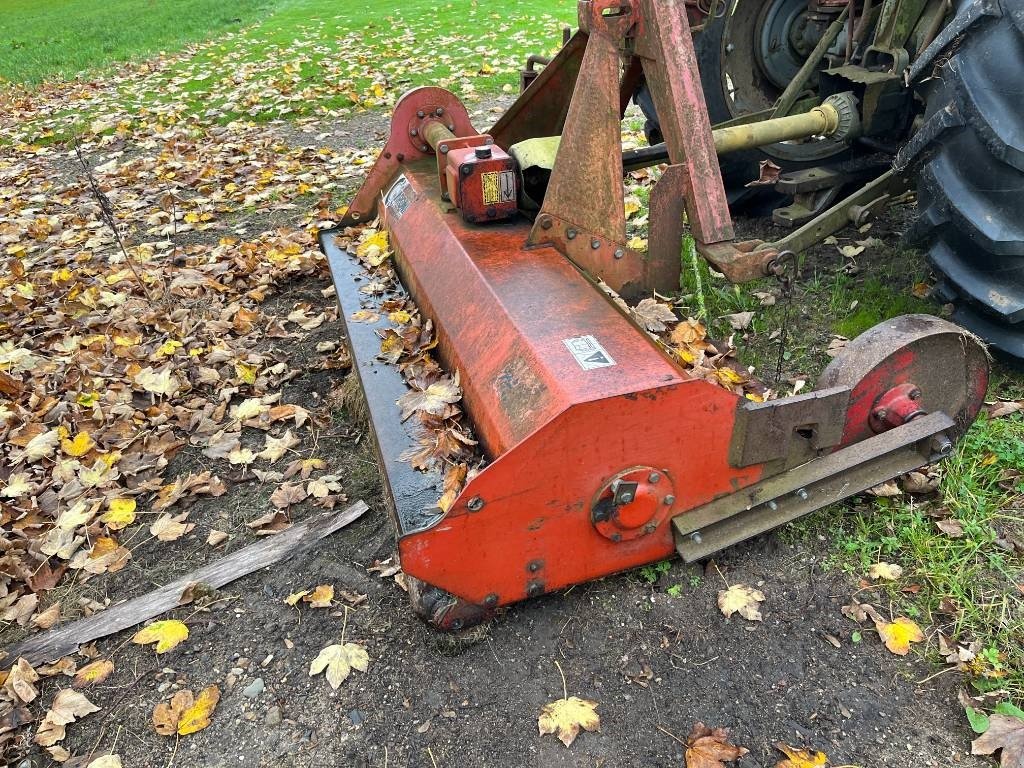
pixel 542 418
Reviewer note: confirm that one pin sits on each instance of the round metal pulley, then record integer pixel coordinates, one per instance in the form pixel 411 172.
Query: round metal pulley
pixel 942 366
pixel 632 504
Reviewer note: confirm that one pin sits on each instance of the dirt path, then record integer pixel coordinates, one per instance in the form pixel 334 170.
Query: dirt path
pixel 656 664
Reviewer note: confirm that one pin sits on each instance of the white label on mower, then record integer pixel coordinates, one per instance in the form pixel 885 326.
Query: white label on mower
pixel 398 197
pixel 588 352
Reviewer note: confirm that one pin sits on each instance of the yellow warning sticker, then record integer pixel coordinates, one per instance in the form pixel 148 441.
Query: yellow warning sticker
pixel 492 188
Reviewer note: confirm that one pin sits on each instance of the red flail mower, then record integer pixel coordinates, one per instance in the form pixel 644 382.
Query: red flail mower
pixel 601 452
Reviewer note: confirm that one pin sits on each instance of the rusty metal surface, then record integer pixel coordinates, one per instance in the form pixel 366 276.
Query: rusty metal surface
pixel 946 363
pixel 540 110
pixel 791 430
pixel 814 485
pixel 404 145
pixel 665 45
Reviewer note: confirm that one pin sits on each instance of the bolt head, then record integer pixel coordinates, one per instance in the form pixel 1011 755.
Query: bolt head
pixel 915 394
pixel 696 538
pixel 421 114
pixel 533 566
pixel 595 244
pixel 355 215
pixel 571 234
pixel 444 149
pixel 439 111
pixel 475 504
pixel 669 500
pixel 619 253
pixel 881 413
pixel 414 132
pixel 616 537
pixel 650 528
pixel 626 498
pixel 546 222
pixel 653 477
pixel 491 600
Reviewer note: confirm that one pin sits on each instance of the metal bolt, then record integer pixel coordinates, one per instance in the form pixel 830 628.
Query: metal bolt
pixel 467 170
pixel 439 111
pixel 414 132
pixel 915 394
pixel 444 149
pixel 421 114
pixel 626 497
pixel 356 215
pixel 802 494
pixel 881 413
pixel 653 477
pixel 619 253
pixel 533 566
pixel 730 48
pixel 545 222
pixel 942 445
pixel 571 234
pixel 696 538
pixel 616 537
pixel 669 500
pixel 650 528
pixel 475 504
pixel 491 600
pixel 451 128
pixel 400 157
pixel 595 243
pixel 772 505
pixel 424 148
pixel 457 624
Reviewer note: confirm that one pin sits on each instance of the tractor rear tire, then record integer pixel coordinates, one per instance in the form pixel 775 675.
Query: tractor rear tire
pixel 969 155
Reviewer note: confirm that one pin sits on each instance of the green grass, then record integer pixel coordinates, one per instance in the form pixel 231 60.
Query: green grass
pixel 47 39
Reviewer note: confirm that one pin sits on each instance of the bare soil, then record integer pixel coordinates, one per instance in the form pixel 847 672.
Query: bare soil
pixel 656 664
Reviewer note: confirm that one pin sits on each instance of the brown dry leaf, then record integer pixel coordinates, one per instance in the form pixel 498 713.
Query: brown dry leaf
pixel 197 716
pixel 321 597
pixel 739 321
pixel 93 673
pixel 710 748
pixel 166 715
pixel 800 758
pixel 454 479
pixel 565 718
pixel 339 660
pixel 216 538
pixel 898 634
pixel 740 599
pixel 167 634
pixel 106 761
pixel 277 446
pixel 270 523
pixel 20 682
pixel 287 494
pixel 951 527
pixel 68 706
pixel 653 315
pixel 169 527
pixel 1004 732
pixel 47 618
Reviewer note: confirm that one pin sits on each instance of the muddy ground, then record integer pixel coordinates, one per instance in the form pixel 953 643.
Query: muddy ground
pixel 656 663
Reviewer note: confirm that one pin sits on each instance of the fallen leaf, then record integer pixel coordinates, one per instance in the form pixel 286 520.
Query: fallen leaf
pixel 20 681
pixel 741 599
pixel 277 446
pixel 68 706
pixel 885 571
pixel 565 717
pixel 81 445
pixel 169 527
pixel 1005 732
pixel 294 597
pixel 434 399
pixel 800 758
pixel 93 673
pixel 653 315
pixel 951 527
pixel 710 748
pixel 106 761
pixel 287 494
pixel 167 715
pixel 216 538
pixel 739 321
pixel 197 716
pixel 339 660
pixel 898 634
pixel 321 597
pixel 167 634
pixel 121 513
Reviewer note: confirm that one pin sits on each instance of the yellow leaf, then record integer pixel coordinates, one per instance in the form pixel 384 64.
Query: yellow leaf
pixel 93 673
pixel 166 634
pixel 87 399
pixel 169 347
pixel 637 244
pixel 339 661
pixel 898 634
pixel 884 571
pixel 246 372
pixel 565 717
pixel 120 514
pixel 197 716
pixel 740 599
pixel 633 205
pixel 400 317
pixel 320 597
pixel 376 240
pixel 800 758
pixel 294 597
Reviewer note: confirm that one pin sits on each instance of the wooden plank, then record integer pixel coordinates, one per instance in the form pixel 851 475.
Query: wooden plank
pixel 59 642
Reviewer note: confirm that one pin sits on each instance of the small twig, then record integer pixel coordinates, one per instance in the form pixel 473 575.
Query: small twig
pixel 719 570
pixel 669 733
pixel 174 751
pixel 107 214
pixel 932 677
pixel 432 757
pixel 565 690
pixel 344 623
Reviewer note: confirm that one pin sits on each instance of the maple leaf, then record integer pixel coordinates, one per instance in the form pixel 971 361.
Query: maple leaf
pixel 800 758
pixel 17 486
pixel 158 383
pixel 710 748
pixel 93 673
pixel 170 528
pixel 565 717
pixel 277 446
pixel 898 634
pixel 689 331
pixel 68 705
pixel 1005 732
pixel 167 715
pixel 884 571
pixel 41 446
pixel 435 399
pixel 339 660
pixel 653 315
pixel 81 445
pixel 20 682
pixel 287 494
pixel 167 634
pixel 197 716
pixel 741 599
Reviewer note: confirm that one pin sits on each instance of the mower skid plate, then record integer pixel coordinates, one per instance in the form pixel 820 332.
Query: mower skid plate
pixel 411 495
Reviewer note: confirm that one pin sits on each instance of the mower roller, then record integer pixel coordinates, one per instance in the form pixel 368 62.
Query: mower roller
pixel 601 451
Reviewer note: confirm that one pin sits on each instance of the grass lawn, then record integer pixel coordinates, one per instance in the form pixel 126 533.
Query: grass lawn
pixel 45 39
